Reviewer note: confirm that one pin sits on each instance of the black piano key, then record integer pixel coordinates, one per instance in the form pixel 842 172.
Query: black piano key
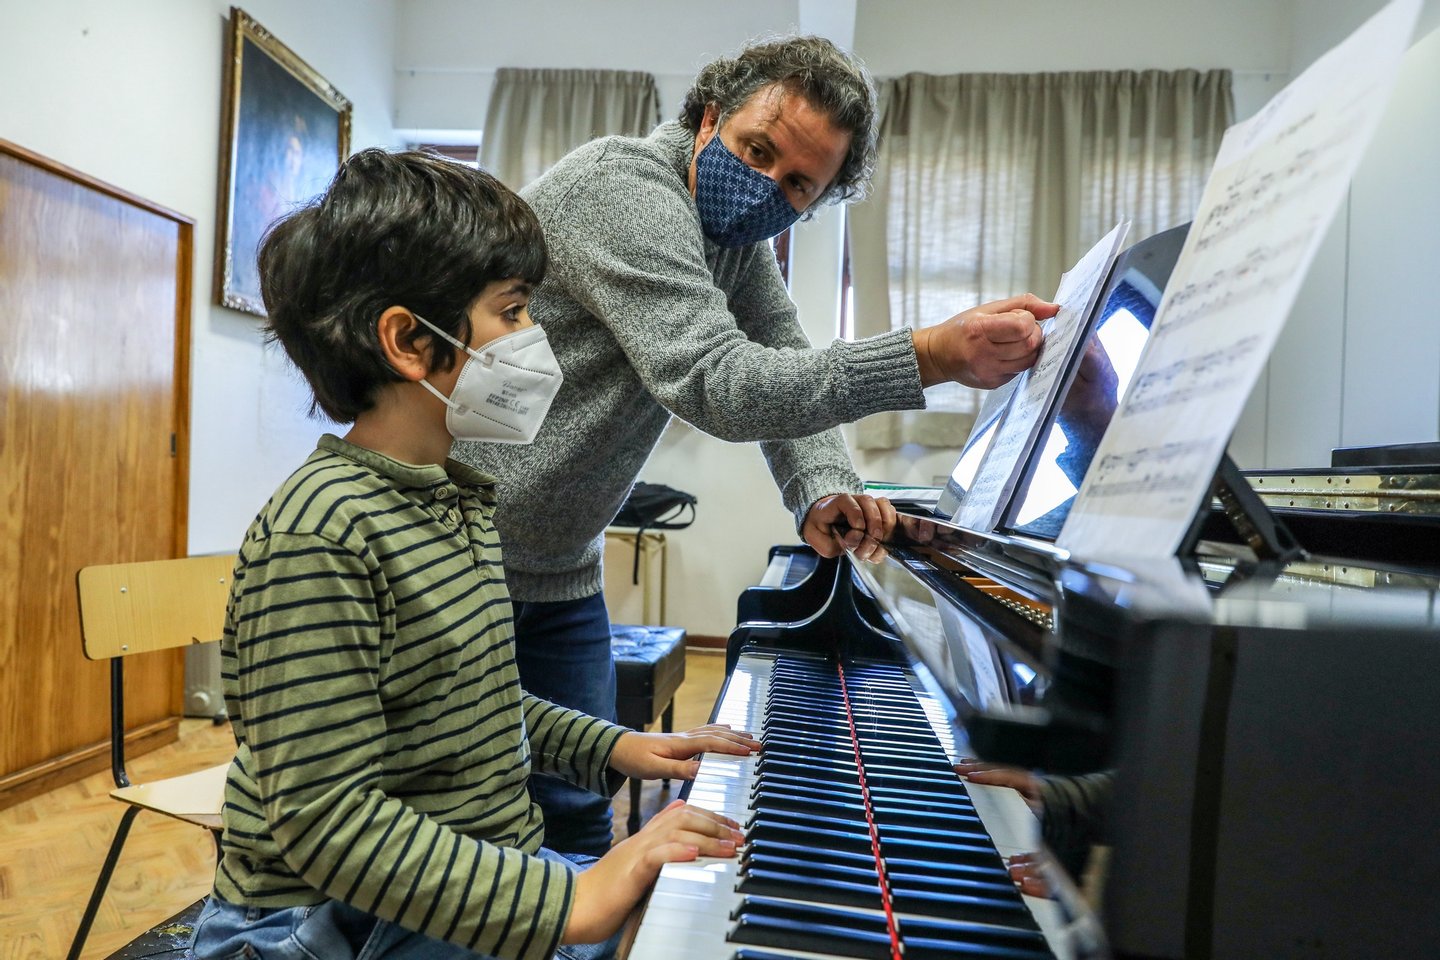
pixel 834 773
pixel 807 714
pixel 941 796
pixel 989 884
pixel 799 886
pixel 889 826
pixel 861 872
pixel 848 859
pixel 931 800
pixel 1007 909
pixel 797 746
pixel 974 849
pixel 784 923
pixel 991 870
pixel 816 938
pixel 770 798
pixel 837 730
pixel 857 887
pixel 762 827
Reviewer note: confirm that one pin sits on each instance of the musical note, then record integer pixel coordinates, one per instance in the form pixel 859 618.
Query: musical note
pixel 1148 470
pixel 1189 378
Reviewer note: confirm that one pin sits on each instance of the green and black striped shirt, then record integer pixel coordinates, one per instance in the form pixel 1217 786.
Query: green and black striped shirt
pixel 384 742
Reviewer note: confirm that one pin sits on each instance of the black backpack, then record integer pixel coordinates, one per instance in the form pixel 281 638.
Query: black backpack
pixel 654 506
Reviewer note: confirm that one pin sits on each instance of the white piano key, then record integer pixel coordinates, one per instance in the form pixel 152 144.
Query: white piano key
pixel 775 573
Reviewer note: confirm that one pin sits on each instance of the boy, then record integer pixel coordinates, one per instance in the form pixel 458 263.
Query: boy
pixel 377 804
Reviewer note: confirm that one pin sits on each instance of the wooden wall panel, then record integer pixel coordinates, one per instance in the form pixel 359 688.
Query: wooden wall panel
pixel 95 296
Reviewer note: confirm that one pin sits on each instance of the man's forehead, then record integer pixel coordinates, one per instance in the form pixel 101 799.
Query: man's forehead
pixel 768 103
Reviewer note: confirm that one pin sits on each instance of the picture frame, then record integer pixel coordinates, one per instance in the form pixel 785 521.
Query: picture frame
pixel 285 130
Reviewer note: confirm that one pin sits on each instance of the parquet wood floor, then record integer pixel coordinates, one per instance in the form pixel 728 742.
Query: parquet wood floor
pixel 51 847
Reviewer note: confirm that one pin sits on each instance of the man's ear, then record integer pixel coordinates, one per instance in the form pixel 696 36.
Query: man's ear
pixel 708 122
pixel 405 343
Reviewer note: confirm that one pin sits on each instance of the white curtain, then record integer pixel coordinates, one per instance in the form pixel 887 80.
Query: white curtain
pixel 989 185
pixel 535 117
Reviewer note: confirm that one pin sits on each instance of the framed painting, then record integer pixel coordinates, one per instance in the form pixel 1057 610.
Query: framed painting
pixel 285 130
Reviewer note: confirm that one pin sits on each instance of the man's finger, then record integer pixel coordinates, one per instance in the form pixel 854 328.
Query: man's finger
pixel 1040 309
pixel 872 522
pixel 854 514
pixel 1016 326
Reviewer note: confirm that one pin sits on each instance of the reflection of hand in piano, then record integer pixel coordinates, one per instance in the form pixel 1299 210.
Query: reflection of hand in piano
pixel 998 775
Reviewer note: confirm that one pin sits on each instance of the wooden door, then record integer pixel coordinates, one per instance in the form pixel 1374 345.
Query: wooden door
pixel 94 408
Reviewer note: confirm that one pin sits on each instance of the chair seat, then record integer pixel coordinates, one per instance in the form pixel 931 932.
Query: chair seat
pixel 649 668
pixel 195 797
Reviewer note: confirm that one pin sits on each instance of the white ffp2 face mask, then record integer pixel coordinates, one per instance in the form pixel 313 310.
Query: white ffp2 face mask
pixel 505 388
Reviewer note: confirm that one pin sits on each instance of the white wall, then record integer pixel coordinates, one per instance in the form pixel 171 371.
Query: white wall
pixel 130 93
pixel 1359 360
pixel 447 50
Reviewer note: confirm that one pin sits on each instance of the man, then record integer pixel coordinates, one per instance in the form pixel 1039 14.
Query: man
pixel 663 299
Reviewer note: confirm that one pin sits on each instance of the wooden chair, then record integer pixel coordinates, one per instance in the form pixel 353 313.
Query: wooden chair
pixel 132 608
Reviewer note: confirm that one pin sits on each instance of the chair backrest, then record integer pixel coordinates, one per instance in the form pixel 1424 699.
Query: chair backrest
pixel 130 608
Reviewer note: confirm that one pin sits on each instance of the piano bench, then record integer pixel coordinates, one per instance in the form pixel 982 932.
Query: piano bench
pixel 649 668
pixel 167 940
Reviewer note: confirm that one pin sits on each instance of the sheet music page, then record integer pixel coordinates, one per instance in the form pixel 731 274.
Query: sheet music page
pixel 1036 388
pixel 1278 181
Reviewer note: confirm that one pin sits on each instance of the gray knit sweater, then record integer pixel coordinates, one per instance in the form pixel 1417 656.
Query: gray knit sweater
pixel 650 319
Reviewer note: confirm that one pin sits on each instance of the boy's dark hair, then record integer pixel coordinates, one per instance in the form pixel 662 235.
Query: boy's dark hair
pixel 410 228
pixel 833 82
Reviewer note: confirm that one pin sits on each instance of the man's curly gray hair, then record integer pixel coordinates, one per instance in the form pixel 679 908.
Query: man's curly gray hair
pixel 831 80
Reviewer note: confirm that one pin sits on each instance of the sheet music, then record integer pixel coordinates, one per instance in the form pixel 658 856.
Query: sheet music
pixel 1278 181
pixel 1036 388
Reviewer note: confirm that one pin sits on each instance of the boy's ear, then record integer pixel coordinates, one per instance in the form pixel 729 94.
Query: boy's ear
pixel 404 342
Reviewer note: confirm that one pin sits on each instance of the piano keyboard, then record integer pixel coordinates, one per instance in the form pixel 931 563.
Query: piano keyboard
pixel 806 884
pixel 787 569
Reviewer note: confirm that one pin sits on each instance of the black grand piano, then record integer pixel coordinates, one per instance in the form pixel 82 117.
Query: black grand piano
pixel 1236 748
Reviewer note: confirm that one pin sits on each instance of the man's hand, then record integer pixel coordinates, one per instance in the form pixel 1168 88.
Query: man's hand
pixel 606 893
pixel 984 346
pixel 869 520
pixel 999 775
pixel 656 756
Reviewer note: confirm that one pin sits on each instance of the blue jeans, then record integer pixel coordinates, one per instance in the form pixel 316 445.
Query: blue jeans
pixel 563 652
pixel 337 931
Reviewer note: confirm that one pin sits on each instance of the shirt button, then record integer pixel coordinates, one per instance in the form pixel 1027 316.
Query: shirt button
pixel 452 515
pixel 443 491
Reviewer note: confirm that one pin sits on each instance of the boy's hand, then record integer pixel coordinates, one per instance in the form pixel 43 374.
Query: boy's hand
pixel 655 756
pixel 605 893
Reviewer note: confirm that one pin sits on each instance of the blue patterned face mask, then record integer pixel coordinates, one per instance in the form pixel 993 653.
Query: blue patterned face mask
pixel 738 205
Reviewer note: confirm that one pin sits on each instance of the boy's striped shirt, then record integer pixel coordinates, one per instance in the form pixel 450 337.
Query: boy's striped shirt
pixel 384 742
